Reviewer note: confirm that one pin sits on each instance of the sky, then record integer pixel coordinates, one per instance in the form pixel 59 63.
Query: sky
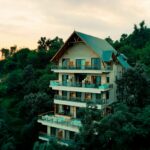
pixel 23 22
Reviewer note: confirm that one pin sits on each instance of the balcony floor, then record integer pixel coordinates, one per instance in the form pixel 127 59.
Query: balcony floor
pixel 60 122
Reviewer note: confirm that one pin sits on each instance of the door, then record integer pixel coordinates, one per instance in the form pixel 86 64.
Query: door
pixel 60 134
pixel 80 63
pixel 64 79
pixel 95 63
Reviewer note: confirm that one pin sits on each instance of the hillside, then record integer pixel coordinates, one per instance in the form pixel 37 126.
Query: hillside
pixel 25 93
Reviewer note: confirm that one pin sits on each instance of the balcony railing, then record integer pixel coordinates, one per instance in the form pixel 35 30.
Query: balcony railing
pixel 77 84
pixel 60 120
pixel 81 100
pixel 80 67
pixel 54 138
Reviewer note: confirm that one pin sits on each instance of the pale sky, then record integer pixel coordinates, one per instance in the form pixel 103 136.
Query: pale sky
pixel 23 22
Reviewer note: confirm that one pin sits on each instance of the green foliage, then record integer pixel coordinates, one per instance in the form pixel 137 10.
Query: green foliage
pixel 14 81
pixel 24 93
pixel 50 146
pixel 133 88
pixel 5 52
pixel 34 104
pixel 124 129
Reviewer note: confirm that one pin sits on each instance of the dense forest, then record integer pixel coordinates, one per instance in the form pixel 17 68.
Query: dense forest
pixel 24 93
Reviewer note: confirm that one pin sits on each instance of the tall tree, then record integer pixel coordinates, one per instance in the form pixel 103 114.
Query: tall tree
pixel 5 52
pixel 133 88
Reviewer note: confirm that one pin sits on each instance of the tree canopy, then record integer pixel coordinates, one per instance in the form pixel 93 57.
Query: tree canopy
pixel 24 93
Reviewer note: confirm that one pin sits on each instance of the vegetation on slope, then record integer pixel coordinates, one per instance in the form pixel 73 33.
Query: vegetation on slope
pixel 25 92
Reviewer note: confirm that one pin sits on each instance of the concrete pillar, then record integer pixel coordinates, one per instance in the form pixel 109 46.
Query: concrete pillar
pixel 68 95
pixel 93 97
pixel 48 130
pixel 67 135
pixel 60 108
pixel 74 112
pixel 60 92
pixel 60 77
pixel 103 79
pixel 71 111
pixel 63 134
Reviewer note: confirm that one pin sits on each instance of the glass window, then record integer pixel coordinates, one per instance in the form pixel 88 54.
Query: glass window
pixel 72 94
pixel 64 93
pixel 80 63
pixel 95 63
pixel 107 95
pixel 64 79
pixel 72 134
pixel 98 96
pixel 65 62
pixel 53 131
pixel 87 96
pixel 78 94
pixel 107 79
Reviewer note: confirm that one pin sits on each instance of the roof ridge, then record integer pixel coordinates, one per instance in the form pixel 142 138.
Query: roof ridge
pixel 89 35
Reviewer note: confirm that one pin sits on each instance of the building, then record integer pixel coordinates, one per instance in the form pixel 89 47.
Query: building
pixel 87 68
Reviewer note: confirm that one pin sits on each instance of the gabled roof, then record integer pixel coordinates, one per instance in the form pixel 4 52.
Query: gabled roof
pixel 123 62
pixel 99 46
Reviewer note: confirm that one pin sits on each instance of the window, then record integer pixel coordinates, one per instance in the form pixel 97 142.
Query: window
pixel 72 134
pixel 65 62
pixel 107 79
pixel 80 63
pixel 107 95
pixel 64 79
pixel 72 94
pixel 64 93
pixel 78 94
pixel 98 96
pixel 96 80
pixel 53 131
pixel 87 96
pixel 95 63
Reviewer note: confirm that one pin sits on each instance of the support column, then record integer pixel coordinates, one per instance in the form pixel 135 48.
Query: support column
pixel 74 112
pixel 60 108
pixel 48 130
pixel 82 96
pixel 63 134
pixel 67 135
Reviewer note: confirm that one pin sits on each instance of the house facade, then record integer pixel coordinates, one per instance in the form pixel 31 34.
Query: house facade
pixel 87 69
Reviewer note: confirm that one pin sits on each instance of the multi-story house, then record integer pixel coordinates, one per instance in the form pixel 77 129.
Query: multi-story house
pixel 87 69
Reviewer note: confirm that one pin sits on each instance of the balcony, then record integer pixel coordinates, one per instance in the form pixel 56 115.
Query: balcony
pixel 45 137
pixel 60 122
pixel 82 87
pixel 78 102
pixel 80 69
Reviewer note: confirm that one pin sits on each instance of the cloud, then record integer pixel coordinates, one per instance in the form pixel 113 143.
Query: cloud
pixel 24 21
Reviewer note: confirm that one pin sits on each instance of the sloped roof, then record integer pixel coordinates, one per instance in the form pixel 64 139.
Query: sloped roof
pixel 107 56
pixel 123 62
pixel 100 46
pixel 97 44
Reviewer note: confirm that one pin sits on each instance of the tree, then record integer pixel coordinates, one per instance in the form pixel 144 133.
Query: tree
pixel 42 45
pixel 130 88
pixel 5 52
pixel 109 40
pixel 13 49
pixel 20 57
pixel 35 104
pixel 124 129
pixel 14 82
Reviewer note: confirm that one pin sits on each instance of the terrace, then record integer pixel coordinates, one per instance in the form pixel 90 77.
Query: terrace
pixel 61 122
pixel 82 87
pixel 80 69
